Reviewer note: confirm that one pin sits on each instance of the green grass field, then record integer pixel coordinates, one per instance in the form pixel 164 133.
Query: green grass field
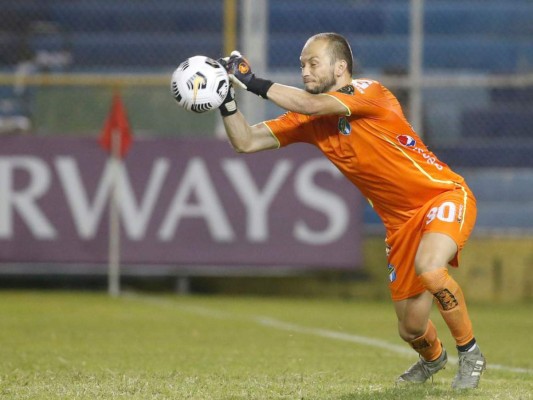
pixel 77 345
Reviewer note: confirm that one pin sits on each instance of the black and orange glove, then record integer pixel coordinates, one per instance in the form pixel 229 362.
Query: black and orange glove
pixel 240 73
pixel 229 105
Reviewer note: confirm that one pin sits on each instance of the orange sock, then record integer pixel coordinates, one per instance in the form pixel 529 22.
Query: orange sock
pixel 451 303
pixel 428 345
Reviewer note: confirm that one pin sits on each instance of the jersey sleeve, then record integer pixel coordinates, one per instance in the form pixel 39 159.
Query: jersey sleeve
pixel 366 101
pixel 288 128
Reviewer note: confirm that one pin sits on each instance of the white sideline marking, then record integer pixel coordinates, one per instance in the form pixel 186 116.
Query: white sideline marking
pixel 345 337
pixel 287 326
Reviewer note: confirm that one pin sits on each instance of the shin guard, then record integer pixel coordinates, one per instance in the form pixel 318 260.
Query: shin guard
pixel 428 345
pixel 451 303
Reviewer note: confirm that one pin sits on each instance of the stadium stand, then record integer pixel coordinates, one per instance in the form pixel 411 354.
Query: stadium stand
pixel 504 122
pixel 139 16
pixel 127 50
pixel 460 36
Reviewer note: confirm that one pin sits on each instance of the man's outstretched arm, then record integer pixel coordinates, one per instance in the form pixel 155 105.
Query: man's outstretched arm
pixel 286 97
pixel 248 139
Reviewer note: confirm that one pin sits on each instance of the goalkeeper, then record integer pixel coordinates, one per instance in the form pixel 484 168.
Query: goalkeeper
pixel 427 209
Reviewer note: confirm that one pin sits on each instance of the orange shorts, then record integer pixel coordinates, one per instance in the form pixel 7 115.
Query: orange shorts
pixel 452 213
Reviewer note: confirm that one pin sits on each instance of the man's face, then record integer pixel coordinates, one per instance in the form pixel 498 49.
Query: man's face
pixel 318 70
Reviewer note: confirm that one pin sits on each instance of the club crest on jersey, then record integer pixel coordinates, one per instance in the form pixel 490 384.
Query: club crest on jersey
pixel 406 140
pixel 344 126
pixel 392 273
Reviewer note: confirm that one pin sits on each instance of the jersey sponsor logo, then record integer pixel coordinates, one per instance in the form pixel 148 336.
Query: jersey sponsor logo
pixel 344 126
pixel 392 273
pixel 410 143
pixel 406 140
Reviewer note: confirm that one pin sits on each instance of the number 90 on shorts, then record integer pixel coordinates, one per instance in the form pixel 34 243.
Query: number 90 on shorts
pixel 445 212
pixel 452 213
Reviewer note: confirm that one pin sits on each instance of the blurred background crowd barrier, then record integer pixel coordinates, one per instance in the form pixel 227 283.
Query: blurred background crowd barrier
pixel 463 70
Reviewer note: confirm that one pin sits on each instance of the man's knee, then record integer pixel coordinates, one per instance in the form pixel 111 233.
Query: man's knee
pixel 410 330
pixel 434 251
pixel 429 261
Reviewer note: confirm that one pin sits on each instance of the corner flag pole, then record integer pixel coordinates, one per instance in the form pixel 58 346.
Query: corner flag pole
pixel 116 138
pixel 114 222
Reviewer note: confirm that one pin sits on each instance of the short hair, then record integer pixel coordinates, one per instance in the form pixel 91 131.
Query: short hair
pixel 339 47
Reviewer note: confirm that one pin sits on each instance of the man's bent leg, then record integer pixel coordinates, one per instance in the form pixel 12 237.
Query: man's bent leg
pixel 451 304
pixel 416 329
pixel 435 251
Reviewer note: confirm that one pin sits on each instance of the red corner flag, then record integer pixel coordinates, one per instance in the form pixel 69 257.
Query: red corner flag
pixel 116 123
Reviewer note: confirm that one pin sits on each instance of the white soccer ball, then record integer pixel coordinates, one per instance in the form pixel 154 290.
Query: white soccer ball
pixel 199 84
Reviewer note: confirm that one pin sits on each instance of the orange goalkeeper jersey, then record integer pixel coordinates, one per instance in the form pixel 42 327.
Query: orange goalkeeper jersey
pixel 375 147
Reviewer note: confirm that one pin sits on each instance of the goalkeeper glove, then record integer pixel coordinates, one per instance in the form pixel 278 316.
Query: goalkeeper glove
pixel 240 73
pixel 229 105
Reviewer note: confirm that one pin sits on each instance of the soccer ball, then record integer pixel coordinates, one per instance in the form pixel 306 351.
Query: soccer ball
pixel 199 84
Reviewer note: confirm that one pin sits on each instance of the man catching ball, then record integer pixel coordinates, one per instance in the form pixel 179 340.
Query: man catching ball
pixel 427 209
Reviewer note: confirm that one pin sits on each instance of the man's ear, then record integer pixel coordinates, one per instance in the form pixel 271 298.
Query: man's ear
pixel 340 68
